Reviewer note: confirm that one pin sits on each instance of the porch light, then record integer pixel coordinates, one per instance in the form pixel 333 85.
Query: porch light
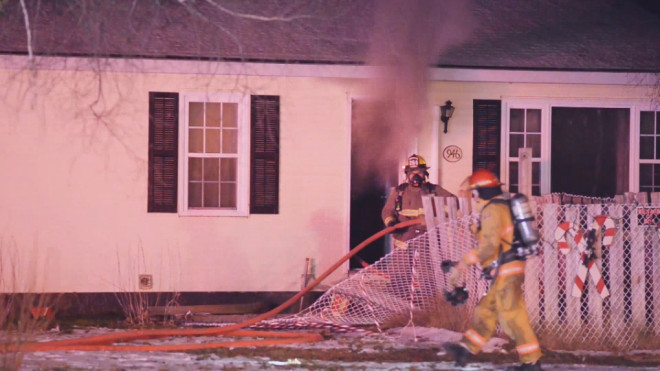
pixel 445 113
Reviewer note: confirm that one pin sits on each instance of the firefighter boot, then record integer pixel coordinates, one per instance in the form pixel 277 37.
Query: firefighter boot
pixel 536 366
pixel 458 352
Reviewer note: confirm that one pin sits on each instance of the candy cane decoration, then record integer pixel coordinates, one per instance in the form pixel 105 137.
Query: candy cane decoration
pixel 560 236
pixel 587 266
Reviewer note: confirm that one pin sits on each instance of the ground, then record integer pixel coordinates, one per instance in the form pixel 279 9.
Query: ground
pixel 409 348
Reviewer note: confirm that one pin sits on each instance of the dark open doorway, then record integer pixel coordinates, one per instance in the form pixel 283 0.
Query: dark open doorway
pixel 372 177
pixel 590 151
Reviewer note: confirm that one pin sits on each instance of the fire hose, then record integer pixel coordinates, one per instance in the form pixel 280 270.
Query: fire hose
pixel 106 342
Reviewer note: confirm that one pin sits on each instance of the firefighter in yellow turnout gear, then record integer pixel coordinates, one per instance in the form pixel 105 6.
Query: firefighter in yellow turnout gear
pixel 405 201
pixel 504 301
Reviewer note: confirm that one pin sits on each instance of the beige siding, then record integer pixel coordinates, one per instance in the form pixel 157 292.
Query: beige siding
pixel 73 159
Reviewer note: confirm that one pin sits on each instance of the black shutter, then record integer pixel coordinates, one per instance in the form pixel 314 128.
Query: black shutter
pixel 163 151
pixel 486 141
pixel 264 154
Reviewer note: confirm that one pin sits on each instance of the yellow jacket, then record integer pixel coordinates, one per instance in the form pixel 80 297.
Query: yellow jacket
pixel 494 234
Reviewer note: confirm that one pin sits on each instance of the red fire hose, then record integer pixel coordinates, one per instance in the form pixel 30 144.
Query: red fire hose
pixel 107 341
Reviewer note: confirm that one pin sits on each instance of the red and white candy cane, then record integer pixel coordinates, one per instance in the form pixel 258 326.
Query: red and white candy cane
pixel 604 221
pixel 561 234
pixel 591 267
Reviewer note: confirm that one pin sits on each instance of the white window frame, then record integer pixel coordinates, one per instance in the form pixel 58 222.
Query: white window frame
pixel 507 106
pixel 243 162
pixel 636 143
pixel 634 105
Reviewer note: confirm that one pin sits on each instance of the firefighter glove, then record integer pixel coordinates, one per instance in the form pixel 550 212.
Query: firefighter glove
pixel 457 277
pixel 457 296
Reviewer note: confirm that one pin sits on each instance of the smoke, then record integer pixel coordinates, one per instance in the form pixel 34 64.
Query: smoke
pixel 407 39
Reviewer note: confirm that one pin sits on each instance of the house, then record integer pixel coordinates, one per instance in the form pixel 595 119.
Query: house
pixel 213 147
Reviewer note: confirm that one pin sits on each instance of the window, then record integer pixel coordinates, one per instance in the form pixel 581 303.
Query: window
pixel 215 155
pixel 649 151
pixel 524 132
pixel 221 150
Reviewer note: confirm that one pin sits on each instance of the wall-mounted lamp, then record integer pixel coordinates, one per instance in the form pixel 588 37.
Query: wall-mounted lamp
pixel 445 113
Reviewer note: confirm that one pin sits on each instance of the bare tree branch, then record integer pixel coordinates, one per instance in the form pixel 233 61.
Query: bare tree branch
pixel 26 17
pixel 253 16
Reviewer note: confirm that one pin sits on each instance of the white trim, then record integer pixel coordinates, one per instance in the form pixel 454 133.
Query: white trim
pixel 347 200
pixel 435 161
pixel 243 161
pixel 187 67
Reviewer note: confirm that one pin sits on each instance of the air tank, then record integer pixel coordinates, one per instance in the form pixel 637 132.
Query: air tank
pixel 524 220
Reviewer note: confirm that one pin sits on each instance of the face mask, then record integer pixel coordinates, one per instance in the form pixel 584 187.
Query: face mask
pixel 416 180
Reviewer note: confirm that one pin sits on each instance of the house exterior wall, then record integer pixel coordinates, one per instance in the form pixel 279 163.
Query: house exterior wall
pixel 74 144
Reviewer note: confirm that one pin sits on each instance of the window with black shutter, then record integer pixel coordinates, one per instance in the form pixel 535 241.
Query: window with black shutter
pixel 486 140
pixel 264 154
pixel 163 152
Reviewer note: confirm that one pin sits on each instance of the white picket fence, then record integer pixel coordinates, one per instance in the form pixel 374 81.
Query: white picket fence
pixel 618 306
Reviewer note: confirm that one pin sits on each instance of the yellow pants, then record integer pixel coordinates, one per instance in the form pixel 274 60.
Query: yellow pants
pixel 504 303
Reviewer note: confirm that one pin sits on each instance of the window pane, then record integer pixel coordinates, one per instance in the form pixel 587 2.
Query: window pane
pixel 656 175
pixel 195 140
pixel 229 141
pixel 211 169
pixel 212 141
pixel 230 115
pixel 228 195
pixel 534 142
pixel 195 168
pixel 211 195
pixel 536 172
pixel 228 169
pixel 657 147
pixel 513 173
pixel 194 194
pixel 645 174
pixel 646 147
pixel 196 114
pixel 534 120
pixel 646 125
pixel 517 122
pixel 536 190
pixel 213 114
pixel 516 142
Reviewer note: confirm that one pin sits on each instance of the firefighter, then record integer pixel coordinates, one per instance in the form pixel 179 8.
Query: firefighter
pixel 405 201
pixel 504 301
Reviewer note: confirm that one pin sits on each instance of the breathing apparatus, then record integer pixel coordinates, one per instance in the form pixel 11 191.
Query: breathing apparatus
pixel 417 166
pixel 526 233
pixel 525 226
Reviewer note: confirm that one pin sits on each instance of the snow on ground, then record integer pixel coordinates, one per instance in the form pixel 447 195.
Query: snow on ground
pixel 395 339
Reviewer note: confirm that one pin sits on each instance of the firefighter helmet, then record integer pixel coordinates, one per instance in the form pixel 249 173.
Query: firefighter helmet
pixel 415 162
pixel 483 178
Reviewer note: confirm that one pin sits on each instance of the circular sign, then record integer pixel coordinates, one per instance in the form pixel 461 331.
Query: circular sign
pixel 452 153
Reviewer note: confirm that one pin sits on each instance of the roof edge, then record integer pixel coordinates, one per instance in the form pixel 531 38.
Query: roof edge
pixel 328 70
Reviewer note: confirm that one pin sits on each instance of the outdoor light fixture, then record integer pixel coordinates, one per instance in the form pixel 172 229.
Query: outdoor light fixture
pixel 445 113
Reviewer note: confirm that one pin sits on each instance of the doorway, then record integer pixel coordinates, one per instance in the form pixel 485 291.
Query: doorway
pixel 590 151
pixel 373 174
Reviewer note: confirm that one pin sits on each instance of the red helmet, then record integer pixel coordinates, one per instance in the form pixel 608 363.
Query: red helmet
pixel 483 178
